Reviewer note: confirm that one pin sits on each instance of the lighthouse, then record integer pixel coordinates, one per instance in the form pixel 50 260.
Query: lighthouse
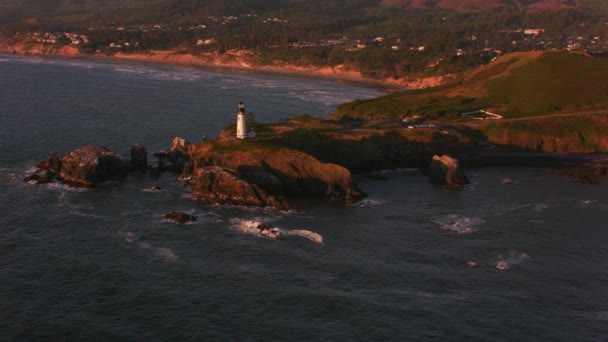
pixel 241 125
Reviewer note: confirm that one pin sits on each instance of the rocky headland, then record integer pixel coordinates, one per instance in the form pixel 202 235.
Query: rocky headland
pixel 306 157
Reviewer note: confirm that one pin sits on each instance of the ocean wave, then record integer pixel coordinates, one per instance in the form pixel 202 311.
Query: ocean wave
pixel 253 227
pixel 537 207
pixel 312 236
pixel 165 253
pixel 506 261
pixel 163 75
pixel 458 224
pixel 393 172
pixel 149 190
pixel 368 203
pixel 56 186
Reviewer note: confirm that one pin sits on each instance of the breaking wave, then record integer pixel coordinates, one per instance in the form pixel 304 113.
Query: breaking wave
pixel 458 224
pixel 253 227
pixel 506 261
pixel 165 253
pixel 368 203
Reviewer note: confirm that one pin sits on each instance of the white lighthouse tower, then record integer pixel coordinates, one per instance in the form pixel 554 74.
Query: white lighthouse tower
pixel 241 125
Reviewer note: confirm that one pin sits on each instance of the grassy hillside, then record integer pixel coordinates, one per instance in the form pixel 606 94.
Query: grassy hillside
pixel 515 85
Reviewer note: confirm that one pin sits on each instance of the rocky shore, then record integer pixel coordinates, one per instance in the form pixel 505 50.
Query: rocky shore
pixel 303 158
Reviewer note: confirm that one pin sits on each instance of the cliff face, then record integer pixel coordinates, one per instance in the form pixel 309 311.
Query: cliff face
pixel 554 134
pixel 241 172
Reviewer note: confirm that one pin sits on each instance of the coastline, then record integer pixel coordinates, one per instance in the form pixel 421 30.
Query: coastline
pixel 226 62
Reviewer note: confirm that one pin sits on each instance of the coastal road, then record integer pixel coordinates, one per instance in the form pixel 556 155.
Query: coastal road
pixel 485 122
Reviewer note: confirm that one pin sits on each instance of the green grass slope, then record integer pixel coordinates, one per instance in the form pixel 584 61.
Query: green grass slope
pixel 523 84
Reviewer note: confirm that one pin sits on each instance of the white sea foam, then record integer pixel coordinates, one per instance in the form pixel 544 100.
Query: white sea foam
pixel 506 261
pixel 395 172
pixel 312 236
pixel 537 207
pixel 62 187
pixel 458 224
pixel 165 253
pixel 251 227
pixel 368 203
pixel 152 190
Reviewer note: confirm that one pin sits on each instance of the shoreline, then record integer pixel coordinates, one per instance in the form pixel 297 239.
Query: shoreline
pixel 170 57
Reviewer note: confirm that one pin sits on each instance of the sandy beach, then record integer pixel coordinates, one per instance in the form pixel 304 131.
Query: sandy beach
pixel 234 60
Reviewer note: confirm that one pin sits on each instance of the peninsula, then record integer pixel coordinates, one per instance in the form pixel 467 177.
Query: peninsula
pixel 552 112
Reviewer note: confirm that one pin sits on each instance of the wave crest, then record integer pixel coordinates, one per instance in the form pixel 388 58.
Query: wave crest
pixel 261 229
pixel 458 224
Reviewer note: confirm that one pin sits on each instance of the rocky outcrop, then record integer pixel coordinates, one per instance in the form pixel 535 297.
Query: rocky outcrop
pixel 139 158
pixel 589 173
pixel 90 165
pixel 215 184
pixel 39 177
pixel 46 172
pixel 264 175
pixel 176 159
pixel 446 170
pixel 180 217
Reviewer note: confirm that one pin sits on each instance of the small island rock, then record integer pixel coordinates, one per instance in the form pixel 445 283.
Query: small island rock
pixel 90 165
pixel 139 158
pixel 180 217
pixel 446 170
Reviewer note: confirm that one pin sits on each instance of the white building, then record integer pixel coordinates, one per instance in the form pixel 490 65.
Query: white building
pixel 241 124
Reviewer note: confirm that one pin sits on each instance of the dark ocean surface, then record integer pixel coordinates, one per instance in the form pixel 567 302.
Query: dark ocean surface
pixel 413 262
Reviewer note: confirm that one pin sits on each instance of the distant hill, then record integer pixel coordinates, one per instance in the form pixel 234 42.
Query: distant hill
pixel 522 84
pixel 84 10
pixel 473 6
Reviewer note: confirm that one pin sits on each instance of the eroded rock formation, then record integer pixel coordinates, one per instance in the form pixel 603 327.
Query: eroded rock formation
pixel 139 158
pixel 180 217
pixel 263 176
pixel 90 165
pixel 215 184
pixel 446 170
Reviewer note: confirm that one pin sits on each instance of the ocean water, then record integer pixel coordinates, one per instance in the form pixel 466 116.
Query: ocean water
pixel 526 261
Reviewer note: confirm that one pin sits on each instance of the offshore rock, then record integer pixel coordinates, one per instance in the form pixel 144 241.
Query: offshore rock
pixel 179 145
pixel 215 184
pixel 446 170
pixel 180 217
pixel 177 159
pixel 139 158
pixel 90 165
